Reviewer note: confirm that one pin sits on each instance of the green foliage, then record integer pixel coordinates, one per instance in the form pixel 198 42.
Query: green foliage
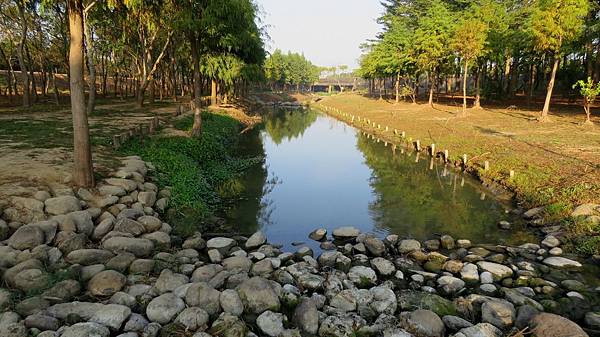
pixel 553 23
pixel 589 90
pixel 198 170
pixel 290 69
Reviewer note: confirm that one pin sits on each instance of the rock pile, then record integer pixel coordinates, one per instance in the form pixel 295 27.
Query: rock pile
pixel 101 263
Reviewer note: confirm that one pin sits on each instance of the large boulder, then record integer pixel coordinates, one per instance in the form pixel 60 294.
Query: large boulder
pixel 106 283
pixel 497 270
pixel 88 257
pixel 26 237
pixel 258 296
pixel 551 325
pixel 306 317
pixel 422 323
pixel 270 323
pixel 561 262
pixel 62 205
pixel 87 329
pixel 345 233
pixel 256 240
pixel 202 295
pixel 136 246
pixel 164 308
pixel 499 313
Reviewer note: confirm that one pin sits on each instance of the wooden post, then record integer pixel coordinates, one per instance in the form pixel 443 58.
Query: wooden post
pixel 446 158
pixel 486 165
pixel 403 134
pixel 433 150
pixel 386 129
pixel 511 174
pixel 396 131
pixel 418 145
pixel 417 157
pixel 116 142
pixel 464 161
pixel 431 164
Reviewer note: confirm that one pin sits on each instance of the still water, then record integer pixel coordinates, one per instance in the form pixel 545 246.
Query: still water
pixel 320 172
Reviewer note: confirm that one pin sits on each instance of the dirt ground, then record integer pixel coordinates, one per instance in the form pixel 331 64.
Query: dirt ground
pixel 36 143
pixel 554 162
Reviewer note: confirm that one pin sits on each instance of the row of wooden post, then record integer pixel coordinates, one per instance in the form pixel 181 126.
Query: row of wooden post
pixel 140 130
pixel 417 143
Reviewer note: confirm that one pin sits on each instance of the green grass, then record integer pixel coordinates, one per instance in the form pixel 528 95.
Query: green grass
pixel 202 172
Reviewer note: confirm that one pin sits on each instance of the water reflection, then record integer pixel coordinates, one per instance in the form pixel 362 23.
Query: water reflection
pixel 319 172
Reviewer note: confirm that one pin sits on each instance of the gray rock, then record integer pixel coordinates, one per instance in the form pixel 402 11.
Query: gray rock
pixel 27 237
pixel 408 245
pixel 499 313
pixel 106 283
pixel 135 246
pixel 524 315
pixel 550 241
pixel 345 233
pixel 382 266
pixel 469 273
pixel 258 296
pixel 193 319
pixel 498 271
pixel 256 240
pixel 202 295
pixel 561 262
pixel 62 205
pixel 231 303
pixel 592 320
pixel 306 317
pixel 342 325
pixel 132 227
pixel 423 323
pixel 455 323
pixel 221 244
pixel 450 285
pixel 111 315
pixel 164 308
pixel 169 281
pixel 585 210
pixel 88 257
pixel 31 280
pixel 318 234
pixel 551 325
pixel 344 301
pixel 64 290
pixel 88 329
pixel 42 322
pixel 151 223
pixel 147 198
pixel 375 246
pixel 362 276
pixel 480 330
pixel 270 323
pixel 136 322
pixel 228 326
pixel 383 300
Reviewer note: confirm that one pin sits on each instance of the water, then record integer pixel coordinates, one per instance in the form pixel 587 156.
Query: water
pixel 320 172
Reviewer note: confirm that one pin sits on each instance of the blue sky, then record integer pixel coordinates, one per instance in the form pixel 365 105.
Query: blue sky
pixel 328 32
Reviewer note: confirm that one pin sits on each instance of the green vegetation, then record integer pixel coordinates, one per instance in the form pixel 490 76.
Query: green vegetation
pixel 201 171
pixel 509 47
pixel 291 69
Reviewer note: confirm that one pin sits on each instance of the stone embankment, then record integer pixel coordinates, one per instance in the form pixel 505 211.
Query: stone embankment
pixel 102 263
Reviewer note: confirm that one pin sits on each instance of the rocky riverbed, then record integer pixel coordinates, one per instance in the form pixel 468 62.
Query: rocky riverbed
pixel 102 263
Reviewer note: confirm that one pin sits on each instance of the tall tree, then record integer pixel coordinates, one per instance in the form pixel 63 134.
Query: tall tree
pixel 553 25
pixel 83 171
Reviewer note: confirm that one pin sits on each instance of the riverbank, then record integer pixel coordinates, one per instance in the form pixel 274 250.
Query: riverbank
pixel 103 263
pixel 555 166
pixel 107 262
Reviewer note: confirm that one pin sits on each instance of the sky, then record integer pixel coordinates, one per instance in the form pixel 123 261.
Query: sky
pixel 328 32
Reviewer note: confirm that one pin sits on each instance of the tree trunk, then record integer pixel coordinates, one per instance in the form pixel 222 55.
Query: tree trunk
pixel 397 88
pixel 197 126
pixel 477 104
pixel 9 75
pixel 83 171
pixel 464 88
pixel 21 55
pixel 54 87
pixel 544 114
pixel 430 79
pixel 89 48
pixel 213 92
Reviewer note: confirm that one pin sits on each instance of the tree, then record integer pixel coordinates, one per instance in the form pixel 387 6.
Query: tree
pixel 83 171
pixel 469 42
pixel 554 24
pixel 589 90
pixel 431 41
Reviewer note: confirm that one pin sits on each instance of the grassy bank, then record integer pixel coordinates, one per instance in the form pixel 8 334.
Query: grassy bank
pixel 202 172
pixel 556 164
